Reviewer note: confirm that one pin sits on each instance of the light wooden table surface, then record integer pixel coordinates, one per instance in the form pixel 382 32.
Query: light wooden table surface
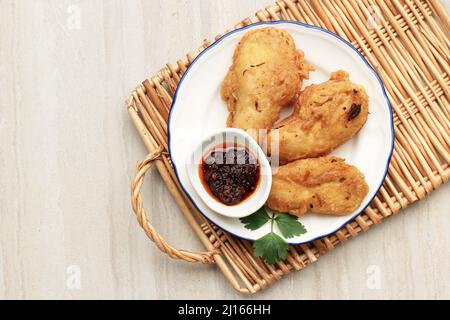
pixel 68 152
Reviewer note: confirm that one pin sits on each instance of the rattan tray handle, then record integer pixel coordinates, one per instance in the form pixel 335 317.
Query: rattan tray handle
pixel 138 207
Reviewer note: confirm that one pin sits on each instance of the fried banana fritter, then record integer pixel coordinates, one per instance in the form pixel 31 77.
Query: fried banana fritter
pixel 323 185
pixel 266 75
pixel 325 116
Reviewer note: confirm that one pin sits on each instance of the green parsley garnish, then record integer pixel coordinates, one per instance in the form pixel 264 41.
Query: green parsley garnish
pixel 256 220
pixel 271 247
pixel 289 226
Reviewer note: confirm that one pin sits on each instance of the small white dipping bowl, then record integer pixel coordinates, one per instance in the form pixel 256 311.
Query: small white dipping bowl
pixel 259 196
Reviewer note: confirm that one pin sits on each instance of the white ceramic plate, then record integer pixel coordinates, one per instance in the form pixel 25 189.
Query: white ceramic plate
pixel 198 110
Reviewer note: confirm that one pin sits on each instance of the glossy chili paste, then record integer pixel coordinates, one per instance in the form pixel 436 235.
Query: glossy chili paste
pixel 230 173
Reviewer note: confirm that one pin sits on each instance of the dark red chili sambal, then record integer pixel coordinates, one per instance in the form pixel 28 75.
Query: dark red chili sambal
pixel 230 173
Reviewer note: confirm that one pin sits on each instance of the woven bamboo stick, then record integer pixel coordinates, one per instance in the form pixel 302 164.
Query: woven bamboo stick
pixel 440 11
pixel 152 147
pixel 410 51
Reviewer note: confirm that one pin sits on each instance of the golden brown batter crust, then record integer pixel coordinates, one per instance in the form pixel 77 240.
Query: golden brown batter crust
pixel 266 75
pixel 323 185
pixel 325 116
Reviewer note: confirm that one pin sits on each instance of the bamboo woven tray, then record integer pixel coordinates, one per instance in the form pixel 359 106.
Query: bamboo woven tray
pixel 408 45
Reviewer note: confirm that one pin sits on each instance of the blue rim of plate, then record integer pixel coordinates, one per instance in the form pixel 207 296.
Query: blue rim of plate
pixel 351 218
